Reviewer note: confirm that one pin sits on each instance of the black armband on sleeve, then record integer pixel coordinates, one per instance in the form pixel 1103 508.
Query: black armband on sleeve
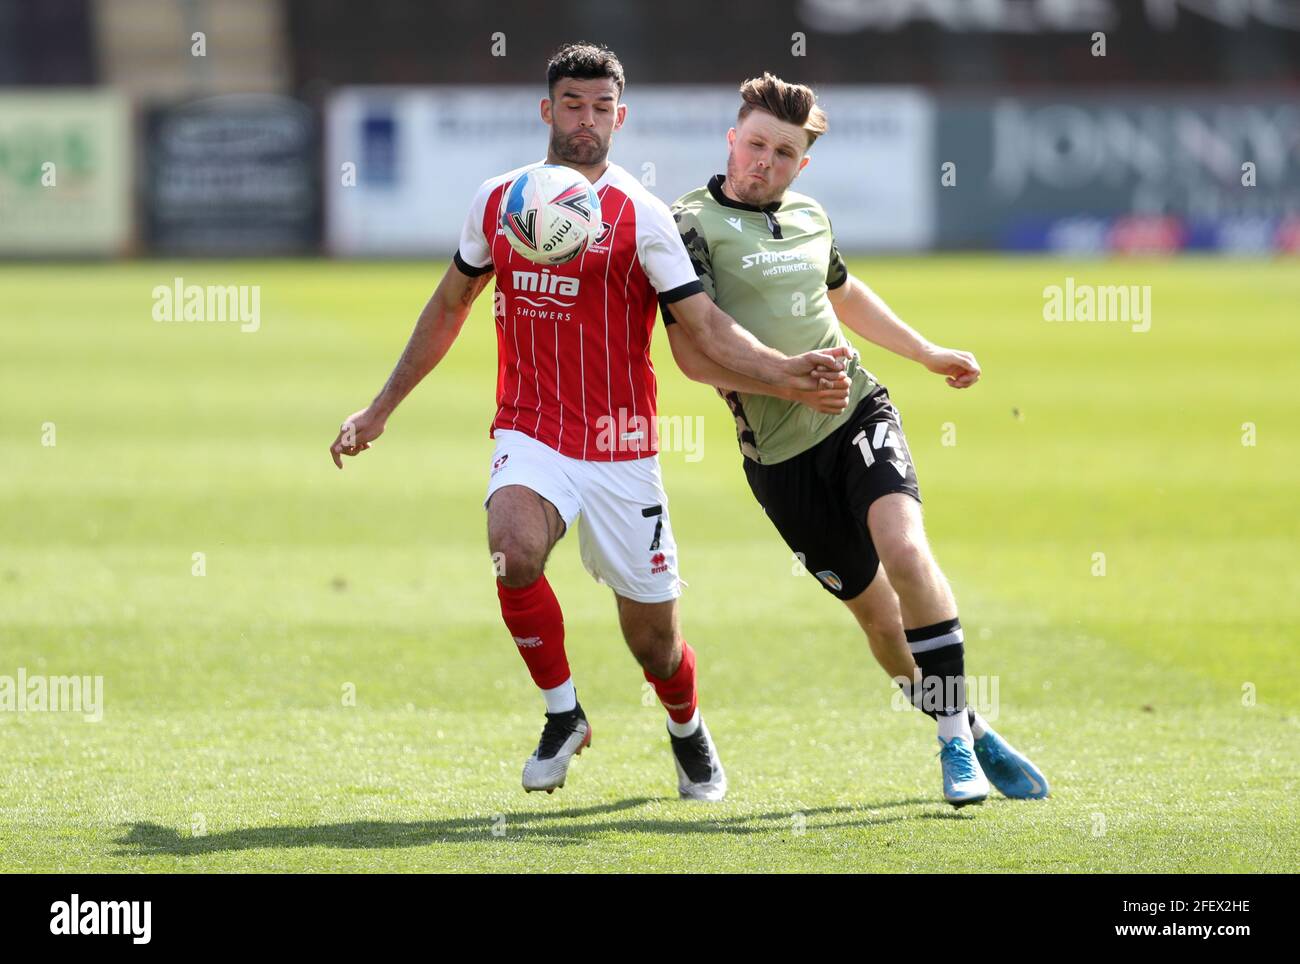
pixel 468 269
pixel 666 298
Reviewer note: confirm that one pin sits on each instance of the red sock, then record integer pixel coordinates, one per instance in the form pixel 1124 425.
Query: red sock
pixel 677 692
pixel 533 616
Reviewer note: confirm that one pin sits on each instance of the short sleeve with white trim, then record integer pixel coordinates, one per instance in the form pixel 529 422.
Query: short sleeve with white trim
pixel 474 254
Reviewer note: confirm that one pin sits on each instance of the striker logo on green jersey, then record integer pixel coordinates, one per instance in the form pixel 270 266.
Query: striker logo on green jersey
pixel 771 257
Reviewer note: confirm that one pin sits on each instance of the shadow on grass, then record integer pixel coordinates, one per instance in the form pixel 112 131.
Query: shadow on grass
pixel 572 826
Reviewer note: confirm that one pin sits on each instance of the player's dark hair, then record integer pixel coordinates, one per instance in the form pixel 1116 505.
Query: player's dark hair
pixel 583 61
pixel 792 103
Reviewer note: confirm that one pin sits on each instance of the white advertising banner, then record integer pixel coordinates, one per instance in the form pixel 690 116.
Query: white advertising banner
pixel 402 164
pixel 65 173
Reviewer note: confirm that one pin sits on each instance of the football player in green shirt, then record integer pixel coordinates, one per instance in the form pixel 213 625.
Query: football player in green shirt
pixel 839 486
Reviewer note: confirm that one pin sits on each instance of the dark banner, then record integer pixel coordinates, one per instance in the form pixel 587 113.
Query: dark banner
pixel 343 914
pixel 232 176
pixel 1126 173
pixel 943 44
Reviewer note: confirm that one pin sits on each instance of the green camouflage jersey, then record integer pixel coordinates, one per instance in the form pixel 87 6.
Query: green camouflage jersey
pixel 770 269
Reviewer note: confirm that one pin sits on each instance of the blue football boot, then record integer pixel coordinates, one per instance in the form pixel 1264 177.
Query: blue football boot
pixel 1008 769
pixel 963 780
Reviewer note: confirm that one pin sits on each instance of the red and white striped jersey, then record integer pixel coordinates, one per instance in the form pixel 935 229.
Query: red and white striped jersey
pixel 573 340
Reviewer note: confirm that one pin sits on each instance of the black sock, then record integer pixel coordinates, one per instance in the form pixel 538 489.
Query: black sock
pixel 939 653
pixel 917 702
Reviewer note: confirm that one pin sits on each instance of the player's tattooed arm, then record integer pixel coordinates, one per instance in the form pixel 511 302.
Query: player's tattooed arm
pixel 724 341
pixel 436 329
pixel 863 311
pixel 832 397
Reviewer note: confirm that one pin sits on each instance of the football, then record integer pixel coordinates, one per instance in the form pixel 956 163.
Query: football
pixel 550 214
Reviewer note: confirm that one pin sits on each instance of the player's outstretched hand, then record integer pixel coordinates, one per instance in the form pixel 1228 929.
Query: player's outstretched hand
pixel 355 435
pixel 807 371
pixel 960 367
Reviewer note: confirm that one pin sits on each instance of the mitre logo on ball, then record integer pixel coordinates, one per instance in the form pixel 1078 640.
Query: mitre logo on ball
pixel 551 214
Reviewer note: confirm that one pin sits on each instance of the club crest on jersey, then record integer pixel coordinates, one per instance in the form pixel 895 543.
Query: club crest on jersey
pixel 831 580
pixel 604 234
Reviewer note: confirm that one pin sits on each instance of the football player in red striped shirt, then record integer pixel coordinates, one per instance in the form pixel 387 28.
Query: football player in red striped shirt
pixel 575 419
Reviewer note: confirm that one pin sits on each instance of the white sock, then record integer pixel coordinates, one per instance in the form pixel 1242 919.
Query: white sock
pixel 978 726
pixel 687 728
pixel 954 726
pixel 562 698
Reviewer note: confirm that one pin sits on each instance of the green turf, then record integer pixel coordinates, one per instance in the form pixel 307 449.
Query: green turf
pixel 223 693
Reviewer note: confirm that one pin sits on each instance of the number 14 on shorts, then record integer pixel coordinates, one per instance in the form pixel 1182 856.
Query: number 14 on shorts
pixel 882 437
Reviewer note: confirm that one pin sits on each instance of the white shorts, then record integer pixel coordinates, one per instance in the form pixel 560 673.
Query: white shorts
pixel 625 538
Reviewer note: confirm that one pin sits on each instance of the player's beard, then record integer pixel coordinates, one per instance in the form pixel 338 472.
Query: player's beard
pixel 753 192
pixel 581 151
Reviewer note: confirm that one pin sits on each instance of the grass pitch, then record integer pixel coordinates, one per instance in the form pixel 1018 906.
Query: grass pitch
pixel 1160 698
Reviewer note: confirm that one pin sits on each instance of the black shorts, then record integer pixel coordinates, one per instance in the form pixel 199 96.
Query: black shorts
pixel 818 500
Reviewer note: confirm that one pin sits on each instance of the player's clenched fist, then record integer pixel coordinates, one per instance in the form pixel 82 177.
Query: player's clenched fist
pixel 831 397
pixel 960 367
pixel 355 435
pixel 806 372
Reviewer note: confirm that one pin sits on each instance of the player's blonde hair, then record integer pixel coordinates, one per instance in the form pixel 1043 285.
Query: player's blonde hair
pixel 792 103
